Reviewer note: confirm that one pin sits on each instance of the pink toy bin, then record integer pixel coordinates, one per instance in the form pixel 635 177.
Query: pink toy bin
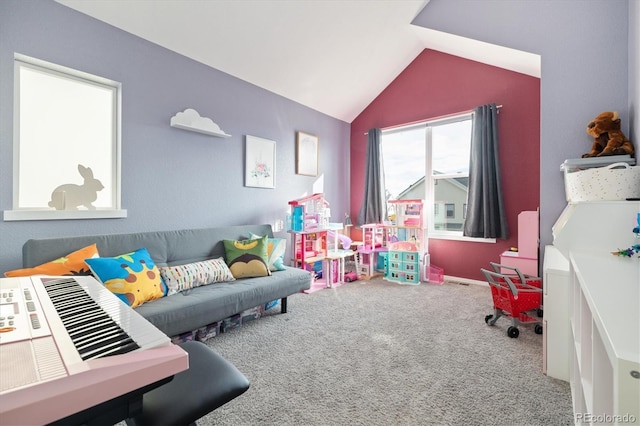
pixel 434 274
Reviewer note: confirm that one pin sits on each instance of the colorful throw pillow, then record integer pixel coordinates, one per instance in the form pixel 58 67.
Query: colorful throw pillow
pixel 133 277
pixel 71 264
pixel 275 252
pixel 247 258
pixel 190 275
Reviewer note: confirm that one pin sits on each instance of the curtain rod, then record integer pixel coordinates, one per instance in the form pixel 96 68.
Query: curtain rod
pixel 430 119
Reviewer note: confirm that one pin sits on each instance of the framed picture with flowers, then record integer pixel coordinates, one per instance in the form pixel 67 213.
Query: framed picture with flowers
pixel 260 165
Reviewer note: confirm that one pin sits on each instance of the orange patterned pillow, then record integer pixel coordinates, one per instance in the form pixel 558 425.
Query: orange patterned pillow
pixel 71 264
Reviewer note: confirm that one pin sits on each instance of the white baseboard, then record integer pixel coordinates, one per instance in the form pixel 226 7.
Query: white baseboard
pixel 460 280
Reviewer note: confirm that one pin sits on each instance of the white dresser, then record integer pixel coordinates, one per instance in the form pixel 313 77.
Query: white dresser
pixel 604 314
pixel 591 305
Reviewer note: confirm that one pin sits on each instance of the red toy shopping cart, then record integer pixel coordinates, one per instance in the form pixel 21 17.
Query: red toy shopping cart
pixel 516 275
pixel 515 295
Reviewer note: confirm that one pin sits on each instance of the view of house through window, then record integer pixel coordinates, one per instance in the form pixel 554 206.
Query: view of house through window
pixel 67 137
pixel 438 150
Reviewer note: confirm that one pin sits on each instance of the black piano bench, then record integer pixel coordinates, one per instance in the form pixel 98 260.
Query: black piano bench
pixel 210 382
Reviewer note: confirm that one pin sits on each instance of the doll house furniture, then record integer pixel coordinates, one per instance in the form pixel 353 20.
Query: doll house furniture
pixel 403 264
pixel 373 248
pixel 339 250
pixel 316 242
pixel 407 225
pixel 307 225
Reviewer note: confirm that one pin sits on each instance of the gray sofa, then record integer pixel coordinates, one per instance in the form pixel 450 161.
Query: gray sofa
pixel 197 307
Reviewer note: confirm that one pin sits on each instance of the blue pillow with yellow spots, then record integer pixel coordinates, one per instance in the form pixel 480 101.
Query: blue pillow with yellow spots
pixel 133 277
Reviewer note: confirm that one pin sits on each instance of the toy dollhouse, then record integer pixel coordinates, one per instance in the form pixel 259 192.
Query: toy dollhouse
pixel 306 225
pixel 407 224
pixel 309 213
pixel 403 263
pixel 315 242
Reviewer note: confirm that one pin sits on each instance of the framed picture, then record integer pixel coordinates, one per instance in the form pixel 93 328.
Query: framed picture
pixel 260 162
pixel 307 154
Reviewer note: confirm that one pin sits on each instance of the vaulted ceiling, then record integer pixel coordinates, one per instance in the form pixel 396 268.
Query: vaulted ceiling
pixel 332 56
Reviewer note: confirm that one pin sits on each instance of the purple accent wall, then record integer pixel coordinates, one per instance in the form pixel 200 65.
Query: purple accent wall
pixel 436 84
pixel 171 179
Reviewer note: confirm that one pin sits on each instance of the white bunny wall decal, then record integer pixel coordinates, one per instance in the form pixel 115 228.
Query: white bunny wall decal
pixel 69 196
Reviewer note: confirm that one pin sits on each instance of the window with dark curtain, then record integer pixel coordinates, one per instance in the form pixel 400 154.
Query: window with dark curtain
pixel 486 216
pixel 373 208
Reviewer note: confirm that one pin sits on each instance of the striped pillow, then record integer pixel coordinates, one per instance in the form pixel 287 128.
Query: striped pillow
pixel 183 277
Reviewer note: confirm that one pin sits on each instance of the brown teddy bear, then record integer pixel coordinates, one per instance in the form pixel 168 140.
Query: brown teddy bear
pixel 609 139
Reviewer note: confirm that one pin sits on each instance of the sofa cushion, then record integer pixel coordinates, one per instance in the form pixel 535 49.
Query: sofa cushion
pixel 133 277
pixel 276 248
pixel 183 277
pixel 247 258
pixel 199 306
pixel 71 264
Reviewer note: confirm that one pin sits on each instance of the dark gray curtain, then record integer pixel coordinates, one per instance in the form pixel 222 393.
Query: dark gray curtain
pixel 373 208
pixel 486 217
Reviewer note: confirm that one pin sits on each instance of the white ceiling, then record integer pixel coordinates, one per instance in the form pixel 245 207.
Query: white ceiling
pixel 332 56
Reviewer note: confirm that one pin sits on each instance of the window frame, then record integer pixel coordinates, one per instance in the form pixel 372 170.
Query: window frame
pixel 45 213
pixel 431 180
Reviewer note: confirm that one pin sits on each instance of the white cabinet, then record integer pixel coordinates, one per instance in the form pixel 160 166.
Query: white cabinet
pixel 605 335
pixel 580 227
pixel 555 299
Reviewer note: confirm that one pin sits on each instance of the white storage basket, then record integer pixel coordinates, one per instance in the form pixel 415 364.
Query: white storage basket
pixel 617 181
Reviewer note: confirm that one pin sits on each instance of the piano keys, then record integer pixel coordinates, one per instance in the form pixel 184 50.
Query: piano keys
pixel 70 344
pixel 93 332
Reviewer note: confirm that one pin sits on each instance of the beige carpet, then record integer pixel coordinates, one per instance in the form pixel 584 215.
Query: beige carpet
pixel 379 353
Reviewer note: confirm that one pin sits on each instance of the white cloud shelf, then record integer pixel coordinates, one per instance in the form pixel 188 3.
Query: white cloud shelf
pixel 191 120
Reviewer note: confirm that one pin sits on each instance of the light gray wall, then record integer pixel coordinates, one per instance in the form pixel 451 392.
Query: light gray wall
pixel 584 47
pixel 171 179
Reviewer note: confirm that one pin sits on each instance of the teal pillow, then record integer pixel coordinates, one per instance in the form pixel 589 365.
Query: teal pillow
pixel 275 252
pixel 133 277
pixel 247 258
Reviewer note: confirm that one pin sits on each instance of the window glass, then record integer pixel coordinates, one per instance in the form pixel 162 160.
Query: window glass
pixel 450 147
pixel 436 149
pixel 450 142
pixel 451 210
pixel 403 157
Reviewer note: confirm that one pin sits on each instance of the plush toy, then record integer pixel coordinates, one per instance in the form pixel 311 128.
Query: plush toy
pixel 609 139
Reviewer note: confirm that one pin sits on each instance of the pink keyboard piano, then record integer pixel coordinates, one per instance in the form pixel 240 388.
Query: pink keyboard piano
pixel 68 345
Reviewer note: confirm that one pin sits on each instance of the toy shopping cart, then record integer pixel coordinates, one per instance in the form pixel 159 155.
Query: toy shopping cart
pixel 516 275
pixel 515 295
